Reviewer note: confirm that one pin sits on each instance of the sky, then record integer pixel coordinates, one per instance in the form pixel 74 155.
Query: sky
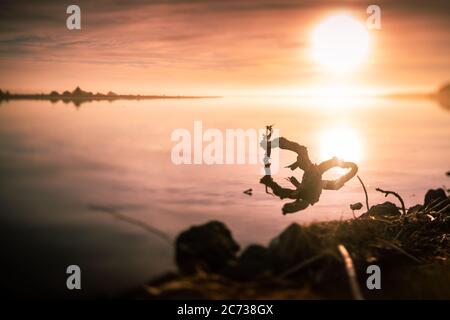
pixel 215 47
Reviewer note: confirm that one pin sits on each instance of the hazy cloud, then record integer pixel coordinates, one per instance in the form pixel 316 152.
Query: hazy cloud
pixel 178 36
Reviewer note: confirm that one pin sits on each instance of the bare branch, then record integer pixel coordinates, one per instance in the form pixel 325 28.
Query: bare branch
pixel 386 193
pixel 365 192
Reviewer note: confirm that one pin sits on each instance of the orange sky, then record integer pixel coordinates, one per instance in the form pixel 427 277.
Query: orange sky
pixel 213 47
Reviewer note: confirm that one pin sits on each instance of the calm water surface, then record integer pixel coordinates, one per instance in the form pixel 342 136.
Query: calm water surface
pixel 68 177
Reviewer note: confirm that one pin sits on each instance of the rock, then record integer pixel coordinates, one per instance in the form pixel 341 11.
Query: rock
pixel 356 206
pixel 434 196
pixel 210 247
pixel 292 246
pixel 254 262
pixel 386 209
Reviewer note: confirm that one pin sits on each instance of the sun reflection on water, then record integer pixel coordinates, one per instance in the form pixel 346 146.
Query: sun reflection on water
pixel 343 142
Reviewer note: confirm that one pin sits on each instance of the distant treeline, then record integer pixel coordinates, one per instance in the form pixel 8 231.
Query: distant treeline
pixel 443 96
pixel 79 96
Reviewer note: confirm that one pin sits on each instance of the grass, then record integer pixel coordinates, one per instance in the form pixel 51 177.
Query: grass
pixel 412 250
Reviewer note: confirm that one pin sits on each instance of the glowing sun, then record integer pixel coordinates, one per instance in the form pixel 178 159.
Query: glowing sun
pixel 340 42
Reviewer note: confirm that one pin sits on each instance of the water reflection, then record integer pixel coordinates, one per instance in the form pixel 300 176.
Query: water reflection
pixel 343 142
pixel 57 163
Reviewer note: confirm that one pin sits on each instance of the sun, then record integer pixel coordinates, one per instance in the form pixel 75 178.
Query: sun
pixel 340 43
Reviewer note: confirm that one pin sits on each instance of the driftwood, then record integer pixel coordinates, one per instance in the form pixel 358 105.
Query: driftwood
pixel 308 191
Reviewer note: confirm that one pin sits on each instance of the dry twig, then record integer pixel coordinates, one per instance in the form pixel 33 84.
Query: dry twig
pixel 386 193
pixel 348 262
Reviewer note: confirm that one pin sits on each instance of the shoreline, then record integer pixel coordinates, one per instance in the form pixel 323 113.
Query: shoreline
pixel 79 96
pixel 323 260
pixel 80 100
